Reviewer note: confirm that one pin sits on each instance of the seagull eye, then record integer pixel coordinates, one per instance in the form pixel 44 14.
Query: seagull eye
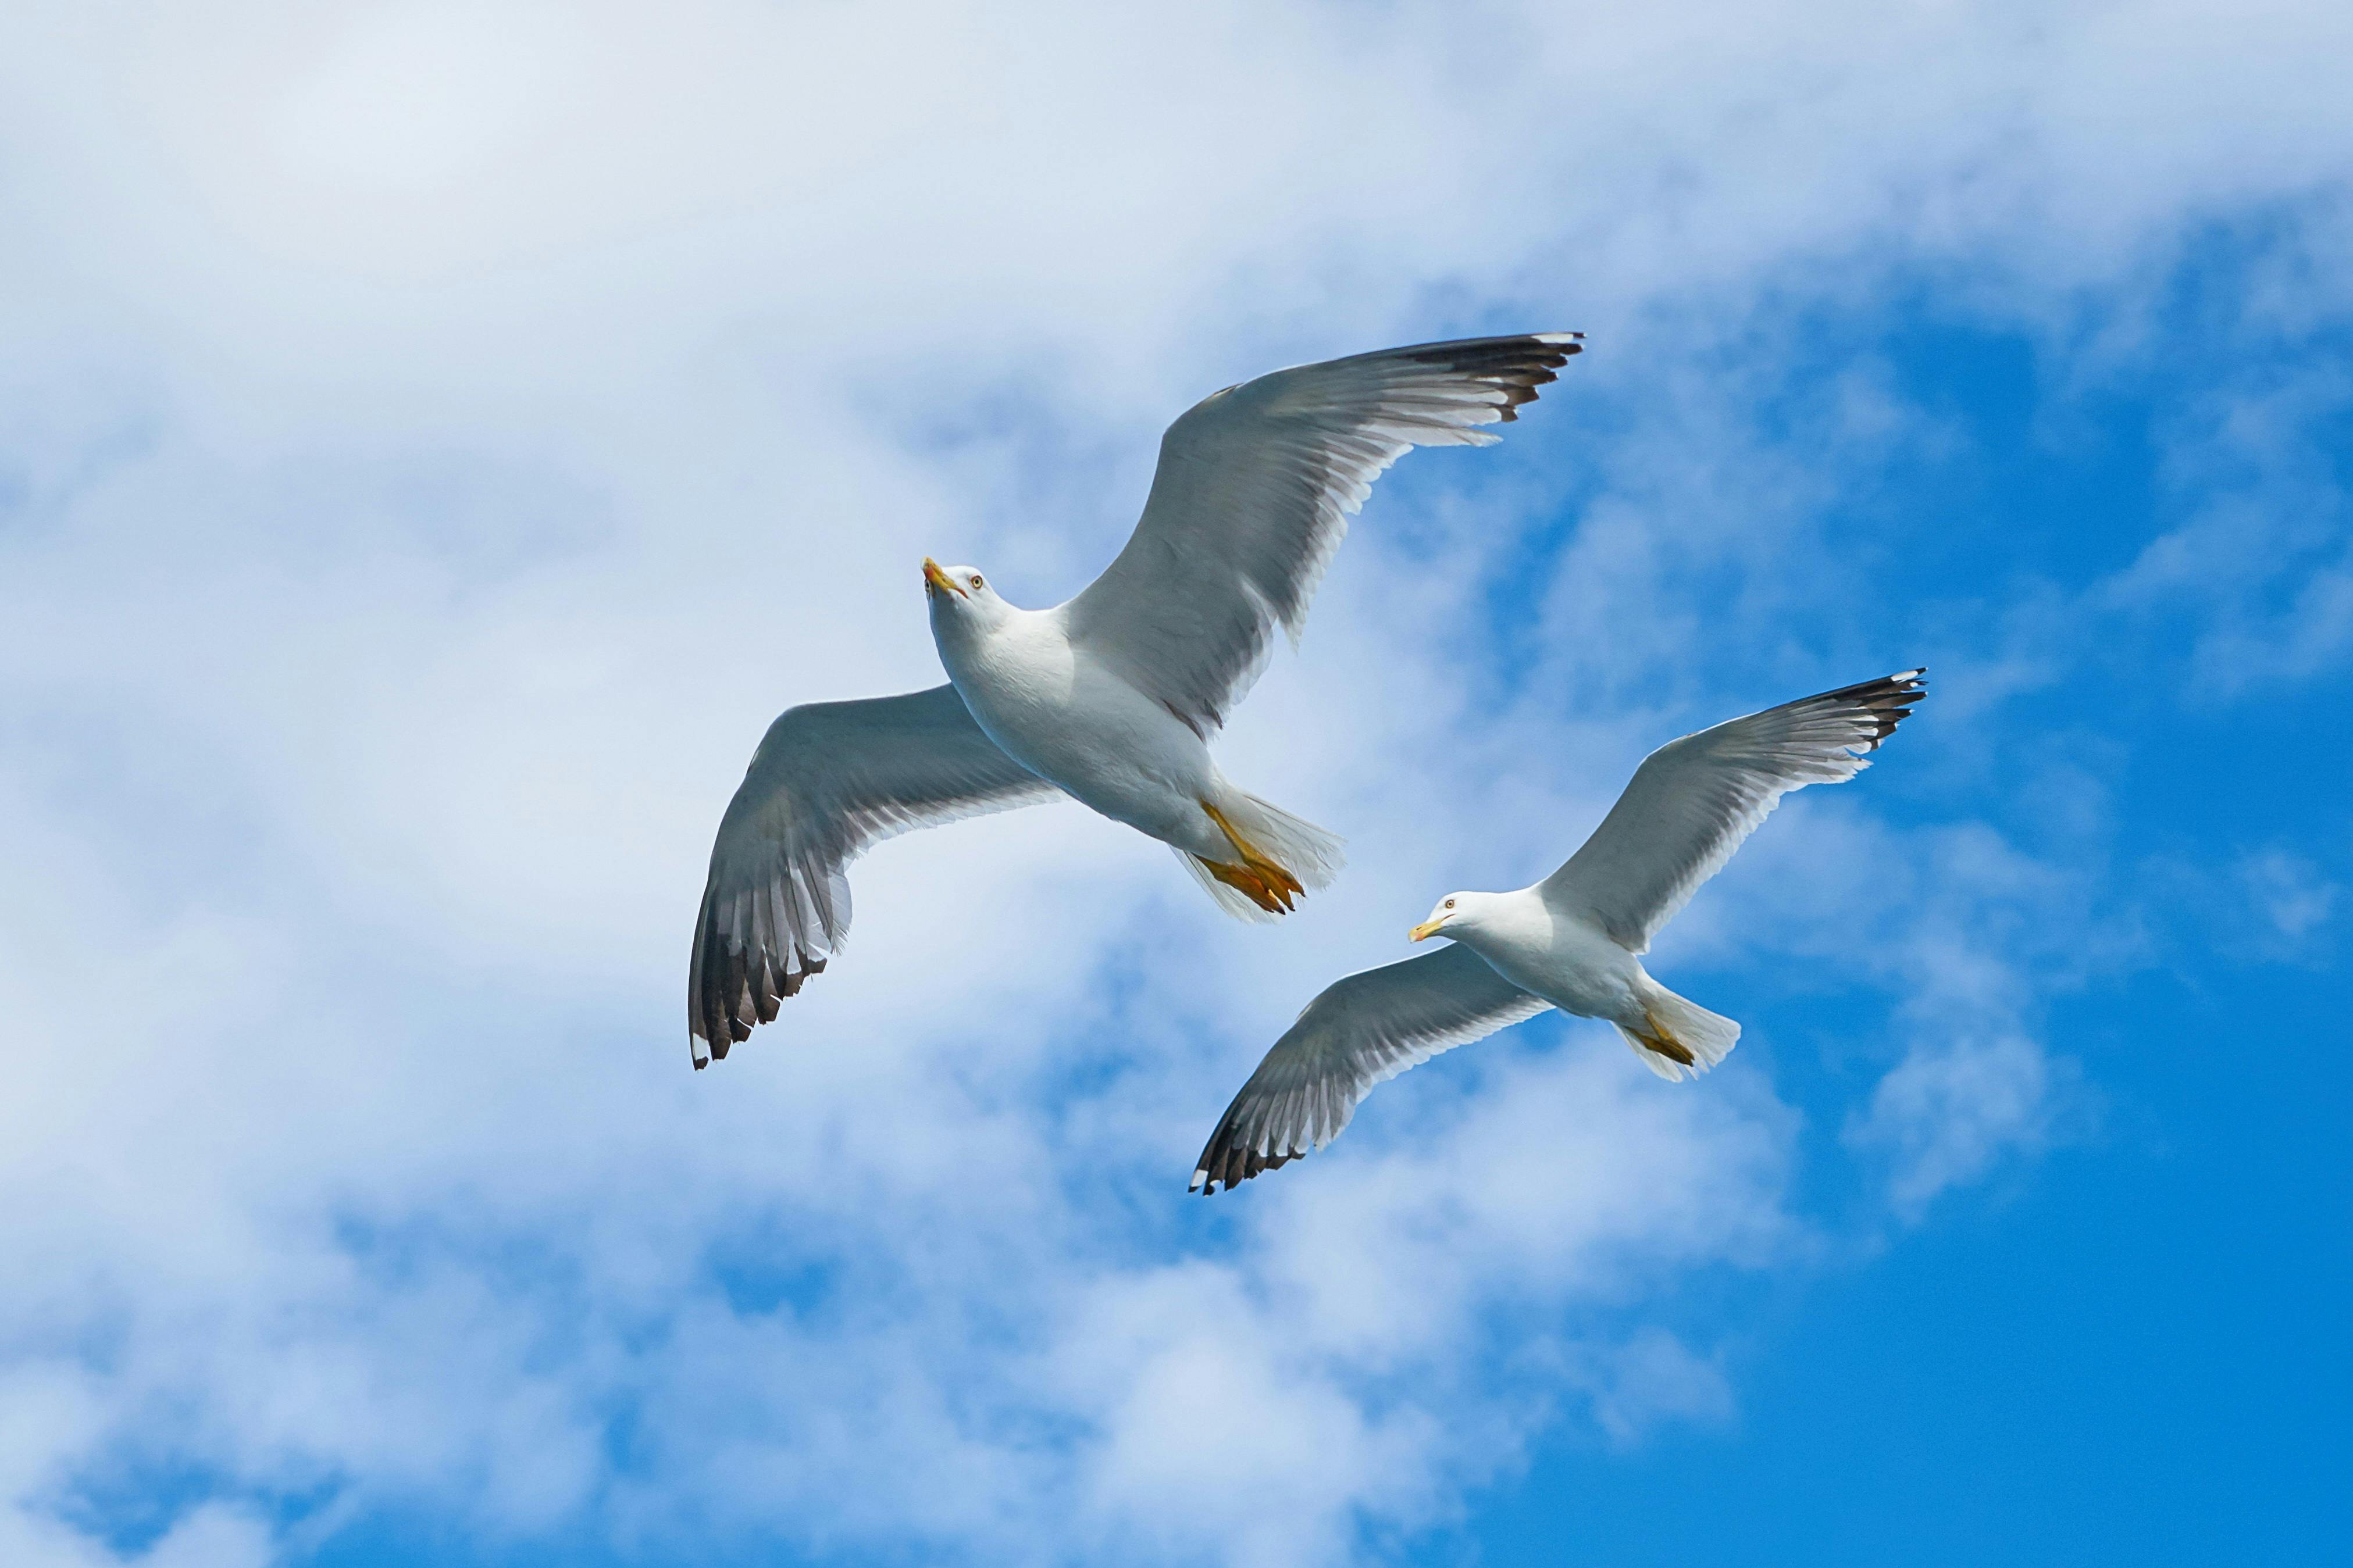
pixel 975 579
pixel 1450 903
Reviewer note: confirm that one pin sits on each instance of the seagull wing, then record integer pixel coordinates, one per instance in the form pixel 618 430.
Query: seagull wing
pixel 1693 801
pixel 1361 1031
pixel 1254 491
pixel 828 780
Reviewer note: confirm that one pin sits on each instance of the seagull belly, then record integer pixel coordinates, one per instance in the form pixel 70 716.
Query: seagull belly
pixel 1111 746
pixel 1571 965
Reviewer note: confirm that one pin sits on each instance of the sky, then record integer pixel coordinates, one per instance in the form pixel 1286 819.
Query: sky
pixel 435 440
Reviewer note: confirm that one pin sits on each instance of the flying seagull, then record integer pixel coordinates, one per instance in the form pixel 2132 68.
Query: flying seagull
pixel 1112 697
pixel 1573 941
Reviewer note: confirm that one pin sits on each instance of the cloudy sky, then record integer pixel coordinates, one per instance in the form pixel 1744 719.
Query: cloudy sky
pixel 436 440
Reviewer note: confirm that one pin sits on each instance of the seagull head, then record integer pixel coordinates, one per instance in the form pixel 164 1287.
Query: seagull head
pixel 1453 914
pixel 960 594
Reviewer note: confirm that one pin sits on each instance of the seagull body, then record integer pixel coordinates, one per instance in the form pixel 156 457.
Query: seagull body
pixel 1111 698
pixel 1573 941
pixel 1054 706
pixel 1555 955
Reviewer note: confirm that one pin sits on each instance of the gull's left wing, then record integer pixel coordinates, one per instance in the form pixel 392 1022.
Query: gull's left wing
pixel 1360 1031
pixel 1254 489
pixel 1693 801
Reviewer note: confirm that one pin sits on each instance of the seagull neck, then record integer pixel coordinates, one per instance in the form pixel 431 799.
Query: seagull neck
pixel 1466 934
pixel 956 636
pixel 1500 924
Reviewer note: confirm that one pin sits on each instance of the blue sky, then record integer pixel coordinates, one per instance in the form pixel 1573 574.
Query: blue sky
pixel 434 441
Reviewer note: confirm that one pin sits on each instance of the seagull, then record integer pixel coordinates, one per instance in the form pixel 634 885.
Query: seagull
pixel 1111 698
pixel 1573 941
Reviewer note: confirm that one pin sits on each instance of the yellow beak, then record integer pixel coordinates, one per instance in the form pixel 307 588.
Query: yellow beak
pixel 939 581
pixel 1425 928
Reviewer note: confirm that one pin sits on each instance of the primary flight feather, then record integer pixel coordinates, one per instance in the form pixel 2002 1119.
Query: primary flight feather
pixel 1573 941
pixel 1111 698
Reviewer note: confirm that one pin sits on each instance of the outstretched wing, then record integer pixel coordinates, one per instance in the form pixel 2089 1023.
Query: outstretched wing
pixel 828 780
pixel 1361 1031
pixel 1254 491
pixel 1693 800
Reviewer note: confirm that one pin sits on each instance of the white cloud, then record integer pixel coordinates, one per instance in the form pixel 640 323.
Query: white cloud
pixel 1655 1378
pixel 2263 561
pixel 2273 905
pixel 2290 895
pixel 441 437
pixel 1952 1109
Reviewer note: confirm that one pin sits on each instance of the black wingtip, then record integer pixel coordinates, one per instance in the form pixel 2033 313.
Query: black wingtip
pixel 1226 1163
pixel 1889 700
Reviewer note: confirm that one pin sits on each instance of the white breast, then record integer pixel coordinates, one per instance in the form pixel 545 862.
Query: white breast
pixel 1070 718
pixel 1569 963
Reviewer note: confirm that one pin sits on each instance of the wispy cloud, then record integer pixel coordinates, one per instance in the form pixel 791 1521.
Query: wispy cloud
pixel 1953 1109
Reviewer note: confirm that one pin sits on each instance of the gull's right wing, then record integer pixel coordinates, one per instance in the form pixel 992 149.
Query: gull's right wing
pixel 1359 1032
pixel 828 780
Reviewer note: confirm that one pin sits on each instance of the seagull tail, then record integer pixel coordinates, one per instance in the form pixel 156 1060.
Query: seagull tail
pixel 1294 843
pixel 1681 1039
pixel 1232 897
pixel 1280 857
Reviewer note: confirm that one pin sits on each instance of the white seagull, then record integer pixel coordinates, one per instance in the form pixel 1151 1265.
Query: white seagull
pixel 1571 942
pixel 1112 697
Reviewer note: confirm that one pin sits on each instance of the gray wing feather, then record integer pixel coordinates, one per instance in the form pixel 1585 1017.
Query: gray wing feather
pixel 829 779
pixel 1693 801
pixel 1254 491
pixel 1359 1032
